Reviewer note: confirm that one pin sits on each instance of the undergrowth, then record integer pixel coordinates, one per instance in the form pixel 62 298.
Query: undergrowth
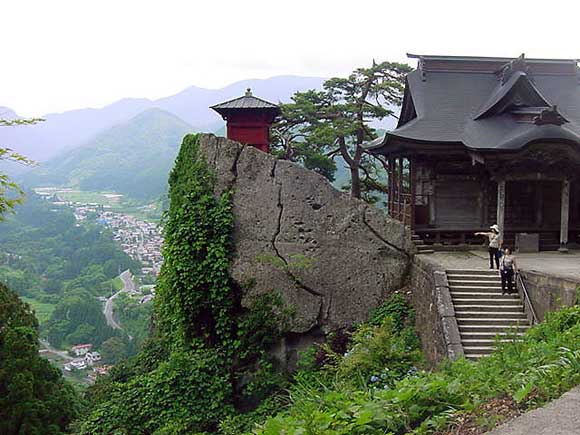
pixel 375 387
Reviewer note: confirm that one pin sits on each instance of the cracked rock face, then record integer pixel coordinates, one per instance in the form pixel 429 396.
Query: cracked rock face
pixel 331 257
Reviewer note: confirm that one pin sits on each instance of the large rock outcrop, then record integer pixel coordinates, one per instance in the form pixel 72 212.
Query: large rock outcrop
pixel 333 258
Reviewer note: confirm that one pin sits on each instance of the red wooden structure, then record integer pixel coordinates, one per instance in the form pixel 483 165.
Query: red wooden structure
pixel 248 120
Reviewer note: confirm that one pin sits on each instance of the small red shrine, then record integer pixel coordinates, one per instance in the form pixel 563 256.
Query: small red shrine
pixel 248 120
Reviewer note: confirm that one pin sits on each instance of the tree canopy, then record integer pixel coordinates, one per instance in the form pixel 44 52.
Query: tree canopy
pixel 10 193
pixel 34 398
pixel 319 126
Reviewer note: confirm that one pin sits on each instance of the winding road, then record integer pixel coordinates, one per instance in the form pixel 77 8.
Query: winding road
pixel 128 286
pixel 61 353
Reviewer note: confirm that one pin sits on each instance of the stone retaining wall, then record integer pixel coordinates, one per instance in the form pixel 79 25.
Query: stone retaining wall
pixel 548 292
pixel 435 314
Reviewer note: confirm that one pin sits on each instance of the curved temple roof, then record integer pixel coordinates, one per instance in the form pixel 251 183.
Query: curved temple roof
pixel 247 101
pixel 487 104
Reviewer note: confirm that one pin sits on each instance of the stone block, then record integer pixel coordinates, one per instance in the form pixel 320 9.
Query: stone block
pixel 527 242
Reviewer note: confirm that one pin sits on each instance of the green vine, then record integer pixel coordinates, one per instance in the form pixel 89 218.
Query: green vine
pixel 207 359
pixel 194 299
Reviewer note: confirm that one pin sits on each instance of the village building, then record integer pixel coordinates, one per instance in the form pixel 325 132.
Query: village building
pixel 77 363
pixel 486 140
pixel 81 349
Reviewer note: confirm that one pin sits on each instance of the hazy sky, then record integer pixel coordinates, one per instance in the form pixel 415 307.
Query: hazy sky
pixel 63 54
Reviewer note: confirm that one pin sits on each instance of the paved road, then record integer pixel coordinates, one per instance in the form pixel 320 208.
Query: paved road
pixel 560 417
pixel 51 349
pixel 128 286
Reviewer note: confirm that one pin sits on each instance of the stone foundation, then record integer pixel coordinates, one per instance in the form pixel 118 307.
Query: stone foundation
pixel 435 314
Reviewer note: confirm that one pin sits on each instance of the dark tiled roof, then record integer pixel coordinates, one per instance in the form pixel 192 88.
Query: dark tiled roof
pixel 482 103
pixel 247 101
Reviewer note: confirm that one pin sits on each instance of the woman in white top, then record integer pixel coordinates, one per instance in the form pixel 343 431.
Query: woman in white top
pixel 495 242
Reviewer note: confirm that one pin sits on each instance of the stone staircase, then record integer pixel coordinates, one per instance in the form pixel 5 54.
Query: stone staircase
pixel 422 248
pixel 482 312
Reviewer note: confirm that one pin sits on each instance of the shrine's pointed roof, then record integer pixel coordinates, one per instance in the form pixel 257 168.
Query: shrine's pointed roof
pixel 487 104
pixel 246 101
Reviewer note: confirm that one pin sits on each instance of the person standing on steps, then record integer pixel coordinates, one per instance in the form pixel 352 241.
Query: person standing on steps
pixel 495 241
pixel 508 268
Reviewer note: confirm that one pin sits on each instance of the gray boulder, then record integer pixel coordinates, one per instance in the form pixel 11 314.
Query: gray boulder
pixel 331 257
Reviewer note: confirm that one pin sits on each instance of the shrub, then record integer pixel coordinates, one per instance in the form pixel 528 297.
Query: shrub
pixel 539 368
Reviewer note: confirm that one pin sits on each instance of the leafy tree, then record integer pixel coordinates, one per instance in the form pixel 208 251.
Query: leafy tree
pixel 114 350
pixel 77 318
pixel 10 193
pixel 34 398
pixel 318 126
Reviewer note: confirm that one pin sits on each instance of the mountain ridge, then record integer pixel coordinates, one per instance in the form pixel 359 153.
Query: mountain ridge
pixel 69 129
pixel 132 158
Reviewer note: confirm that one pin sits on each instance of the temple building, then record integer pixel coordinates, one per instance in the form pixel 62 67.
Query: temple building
pixel 485 140
pixel 248 119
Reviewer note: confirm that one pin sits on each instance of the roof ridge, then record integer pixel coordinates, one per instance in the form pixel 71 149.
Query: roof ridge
pixel 243 97
pixel 490 58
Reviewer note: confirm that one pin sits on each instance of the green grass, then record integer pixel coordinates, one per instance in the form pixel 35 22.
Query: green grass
pixel 89 197
pixel 41 309
pixel 121 204
pixel 117 283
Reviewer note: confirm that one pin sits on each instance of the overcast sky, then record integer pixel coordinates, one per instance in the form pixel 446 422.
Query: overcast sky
pixel 64 54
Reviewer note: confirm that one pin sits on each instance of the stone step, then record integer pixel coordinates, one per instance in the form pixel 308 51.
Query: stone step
pixel 475 283
pixel 488 272
pixel 490 335
pixel 477 350
pixel 474 357
pixel 465 299
pixel 425 251
pixel 490 314
pixel 495 321
pixel 465 277
pixel 494 329
pixel 483 341
pixel 476 289
pixel 513 308
pixel 482 295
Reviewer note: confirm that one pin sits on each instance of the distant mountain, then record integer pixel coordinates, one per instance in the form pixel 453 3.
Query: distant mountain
pixel 192 104
pixel 66 130
pixel 133 158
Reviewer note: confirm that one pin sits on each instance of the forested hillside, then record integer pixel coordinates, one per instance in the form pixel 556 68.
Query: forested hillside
pixel 34 398
pixel 133 158
pixel 61 268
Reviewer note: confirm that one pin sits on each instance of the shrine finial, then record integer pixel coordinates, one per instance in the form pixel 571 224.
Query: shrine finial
pixel 248 92
pixel 511 67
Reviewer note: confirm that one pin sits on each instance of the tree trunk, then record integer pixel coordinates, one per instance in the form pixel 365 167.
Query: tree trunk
pixel 354 182
pixel 355 189
pixel 353 163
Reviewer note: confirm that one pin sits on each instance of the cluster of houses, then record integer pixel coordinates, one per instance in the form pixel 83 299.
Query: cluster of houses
pixel 139 239
pixel 85 358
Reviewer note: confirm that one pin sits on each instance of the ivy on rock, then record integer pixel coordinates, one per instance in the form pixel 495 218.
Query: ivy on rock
pixel 188 376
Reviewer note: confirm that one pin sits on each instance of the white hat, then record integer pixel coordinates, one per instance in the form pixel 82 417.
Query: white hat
pixel 495 227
